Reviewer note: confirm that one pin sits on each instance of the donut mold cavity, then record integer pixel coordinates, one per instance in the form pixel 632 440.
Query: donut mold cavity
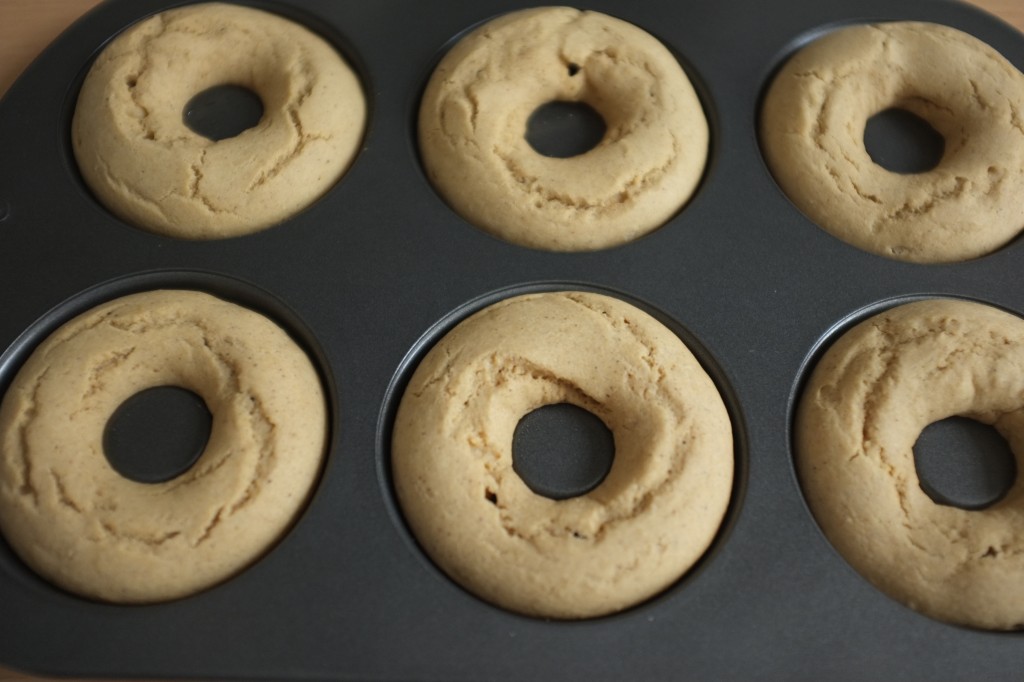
pixel 474 112
pixel 144 164
pixel 78 523
pixel 812 135
pixel 635 534
pixel 867 402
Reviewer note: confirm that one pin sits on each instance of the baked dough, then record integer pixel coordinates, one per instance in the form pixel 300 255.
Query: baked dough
pixel 867 402
pixel 147 167
pixel 626 540
pixel 812 134
pixel 81 525
pixel 473 117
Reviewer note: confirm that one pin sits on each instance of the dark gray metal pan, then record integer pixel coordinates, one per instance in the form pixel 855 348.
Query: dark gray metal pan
pixel 371 274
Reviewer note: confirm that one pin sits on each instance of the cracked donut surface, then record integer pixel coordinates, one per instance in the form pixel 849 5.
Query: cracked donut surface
pixel 474 113
pixel 83 526
pixel 866 404
pixel 812 134
pixel 635 534
pixel 143 162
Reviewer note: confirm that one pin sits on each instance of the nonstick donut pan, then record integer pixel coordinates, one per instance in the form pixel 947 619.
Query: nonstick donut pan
pixel 373 273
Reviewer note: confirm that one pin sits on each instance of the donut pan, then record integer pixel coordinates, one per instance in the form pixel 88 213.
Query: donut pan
pixel 371 274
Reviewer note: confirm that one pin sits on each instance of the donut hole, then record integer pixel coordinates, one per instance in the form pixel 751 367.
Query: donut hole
pixel 561 451
pixel 223 111
pixel 900 141
pixel 964 463
pixel 561 129
pixel 157 434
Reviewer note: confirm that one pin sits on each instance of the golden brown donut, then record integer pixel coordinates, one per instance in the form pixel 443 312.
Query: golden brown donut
pixel 867 402
pixel 80 524
pixel 143 162
pixel 626 540
pixel 812 133
pixel 472 126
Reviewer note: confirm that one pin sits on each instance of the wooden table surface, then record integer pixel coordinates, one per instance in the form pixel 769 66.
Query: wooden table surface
pixel 28 26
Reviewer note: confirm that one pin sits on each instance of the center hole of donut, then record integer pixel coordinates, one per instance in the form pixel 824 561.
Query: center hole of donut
pixel 223 111
pixel 902 142
pixel 562 451
pixel 157 434
pixel 564 129
pixel 964 463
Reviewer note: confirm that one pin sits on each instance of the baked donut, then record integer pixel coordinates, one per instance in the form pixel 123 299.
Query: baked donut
pixel 142 161
pixel 78 523
pixel 866 403
pixel 629 538
pixel 474 112
pixel 812 134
